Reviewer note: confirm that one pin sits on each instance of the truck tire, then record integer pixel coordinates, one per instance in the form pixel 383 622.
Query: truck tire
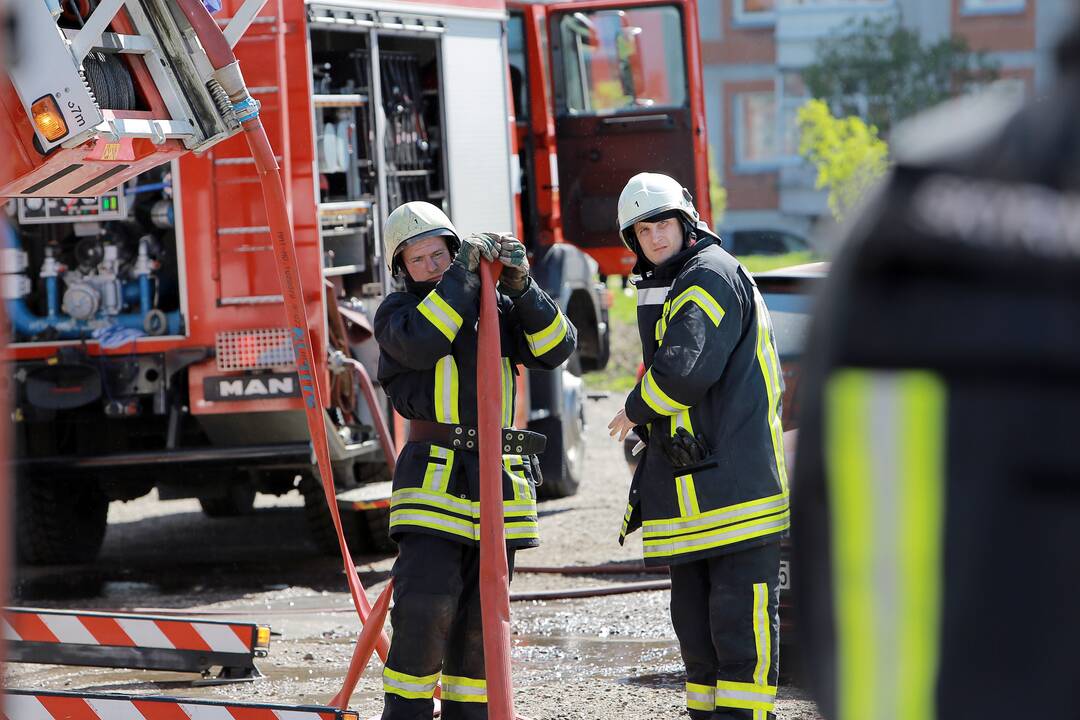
pixel 321 524
pixel 239 499
pixel 59 520
pixel 563 462
pixel 373 531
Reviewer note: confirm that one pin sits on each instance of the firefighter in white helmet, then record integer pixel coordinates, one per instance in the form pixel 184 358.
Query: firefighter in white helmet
pixel 428 341
pixel 711 492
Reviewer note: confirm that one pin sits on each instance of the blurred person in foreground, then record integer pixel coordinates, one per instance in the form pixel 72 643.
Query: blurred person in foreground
pixel 711 492
pixel 937 492
pixel 427 337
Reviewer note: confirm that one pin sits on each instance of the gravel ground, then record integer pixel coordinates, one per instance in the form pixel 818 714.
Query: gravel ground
pixel 605 657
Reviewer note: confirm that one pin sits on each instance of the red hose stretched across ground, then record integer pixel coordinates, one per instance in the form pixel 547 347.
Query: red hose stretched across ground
pixel 228 74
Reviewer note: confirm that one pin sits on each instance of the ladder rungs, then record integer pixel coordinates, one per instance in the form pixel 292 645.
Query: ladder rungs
pixel 115 42
pixel 240 160
pixel 249 230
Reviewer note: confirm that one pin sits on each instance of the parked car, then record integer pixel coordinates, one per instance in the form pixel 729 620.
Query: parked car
pixel 764 242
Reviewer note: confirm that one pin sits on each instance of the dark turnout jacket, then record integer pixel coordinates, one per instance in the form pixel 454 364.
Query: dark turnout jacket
pixel 938 481
pixel 711 367
pixel 428 341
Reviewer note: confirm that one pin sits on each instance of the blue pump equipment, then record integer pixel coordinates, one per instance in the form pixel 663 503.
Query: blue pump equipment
pixel 28 324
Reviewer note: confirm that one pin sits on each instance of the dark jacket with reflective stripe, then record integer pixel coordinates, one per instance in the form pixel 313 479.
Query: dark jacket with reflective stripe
pixel 937 492
pixel 428 339
pixel 712 367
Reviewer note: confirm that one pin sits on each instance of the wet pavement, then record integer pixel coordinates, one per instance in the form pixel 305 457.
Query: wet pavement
pixel 601 657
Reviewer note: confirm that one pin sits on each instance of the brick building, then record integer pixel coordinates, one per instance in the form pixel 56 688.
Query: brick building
pixel 754 50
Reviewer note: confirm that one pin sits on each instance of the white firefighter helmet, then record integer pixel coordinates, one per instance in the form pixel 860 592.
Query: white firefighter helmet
pixel 412 221
pixel 648 194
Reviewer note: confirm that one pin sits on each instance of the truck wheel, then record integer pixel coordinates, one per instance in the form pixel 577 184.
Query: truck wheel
pixel 59 520
pixel 373 531
pixel 239 499
pixel 321 525
pixel 563 462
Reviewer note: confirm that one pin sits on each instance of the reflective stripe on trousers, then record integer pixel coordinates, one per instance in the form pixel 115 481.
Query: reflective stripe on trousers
pixel 464 690
pixel 885 454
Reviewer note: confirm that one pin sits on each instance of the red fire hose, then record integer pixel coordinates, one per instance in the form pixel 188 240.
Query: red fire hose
pixel 227 72
pixel 494 571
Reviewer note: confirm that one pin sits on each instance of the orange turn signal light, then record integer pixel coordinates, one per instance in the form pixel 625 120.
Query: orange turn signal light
pixel 262 637
pixel 48 119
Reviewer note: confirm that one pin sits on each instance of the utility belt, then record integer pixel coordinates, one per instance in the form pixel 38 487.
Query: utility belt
pixel 463 437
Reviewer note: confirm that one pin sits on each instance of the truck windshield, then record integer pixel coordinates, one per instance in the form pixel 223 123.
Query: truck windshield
pixel 618 61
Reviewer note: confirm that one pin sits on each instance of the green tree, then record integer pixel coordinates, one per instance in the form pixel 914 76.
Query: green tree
pixel 882 72
pixel 848 154
pixel 717 193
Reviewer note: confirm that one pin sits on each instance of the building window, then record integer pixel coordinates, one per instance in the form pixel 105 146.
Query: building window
pixel 831 3
pixel 754 12
pixel 766 125
pixel 756 146
pixel 990 7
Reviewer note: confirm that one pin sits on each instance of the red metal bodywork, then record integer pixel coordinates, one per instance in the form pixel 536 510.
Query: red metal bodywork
pixel 220 218
pixel 627 152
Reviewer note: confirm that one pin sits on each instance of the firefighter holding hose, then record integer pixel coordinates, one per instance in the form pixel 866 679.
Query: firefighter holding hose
pixel 428 341
pixel 711 492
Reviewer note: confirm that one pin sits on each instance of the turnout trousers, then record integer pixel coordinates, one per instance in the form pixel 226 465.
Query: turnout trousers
pixel 437 631
pixel 724 610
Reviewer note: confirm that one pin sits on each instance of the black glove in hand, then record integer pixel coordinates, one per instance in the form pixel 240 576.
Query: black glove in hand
pixel 474 247
pixel 514 279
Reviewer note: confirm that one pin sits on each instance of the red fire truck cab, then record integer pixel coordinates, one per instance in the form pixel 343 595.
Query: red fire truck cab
pixel 148 347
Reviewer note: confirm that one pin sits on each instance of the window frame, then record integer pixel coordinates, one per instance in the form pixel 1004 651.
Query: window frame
pixel 742 165
pixel 562 85
pixel 742 18
pixel 1015 7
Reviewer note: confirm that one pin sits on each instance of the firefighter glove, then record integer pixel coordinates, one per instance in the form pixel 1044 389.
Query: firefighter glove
pixel 514 279
pixel 474 247
pixel 685 449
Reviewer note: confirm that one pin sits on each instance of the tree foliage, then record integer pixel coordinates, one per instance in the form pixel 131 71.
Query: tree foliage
pixel 882 71
pixel 848 154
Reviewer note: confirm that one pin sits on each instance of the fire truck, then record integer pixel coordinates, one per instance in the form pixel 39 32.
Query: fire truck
pixel 148 348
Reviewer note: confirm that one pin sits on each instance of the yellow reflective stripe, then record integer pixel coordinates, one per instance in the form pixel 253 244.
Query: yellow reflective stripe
pixel 437 474
pixel 688 503
pixel 463 689
pixel 682 420
pixel 431 498
pixel 507 393
pixel 549 337
pixel 626 519
pixel 432 520
pixel 700 697
pixel 413 687
pixel 515 508
pixel 770 372
pixel 885 451
pixel 698 295
pixel 762 640
pixel 735 700
pixel 521 486
pixel 446 390
pixel 441 315
pixel 657 399
pixel 661 323
pixel 718 517
pixel 519 531
pixel 718 538
pixel 766 691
